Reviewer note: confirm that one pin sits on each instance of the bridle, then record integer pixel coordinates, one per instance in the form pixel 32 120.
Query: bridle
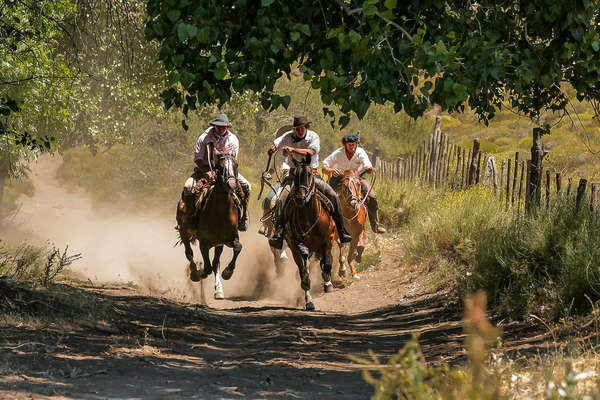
pixel 227 169
pixel 304 188
pixel 349 197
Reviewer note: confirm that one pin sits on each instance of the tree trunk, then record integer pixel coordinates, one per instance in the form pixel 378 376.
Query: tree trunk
pixel 535 175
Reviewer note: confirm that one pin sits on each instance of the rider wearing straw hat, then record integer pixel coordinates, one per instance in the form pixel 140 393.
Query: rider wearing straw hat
pixel 224 141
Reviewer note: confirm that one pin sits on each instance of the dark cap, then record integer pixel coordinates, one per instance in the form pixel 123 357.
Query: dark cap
pixel 349 138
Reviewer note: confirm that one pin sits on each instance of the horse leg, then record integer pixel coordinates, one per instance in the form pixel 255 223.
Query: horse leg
pixel 358 249
pixel 216 267
pixel 189 254
pixel 204 248
pixel 341 261
pixel 301 262
pixel 326 261
pixel 237 248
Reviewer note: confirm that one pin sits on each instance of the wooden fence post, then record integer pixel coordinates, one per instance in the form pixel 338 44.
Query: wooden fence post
pixel 569 186
pixel 535 173
pixel 594 199
pixel 508 164
pixel 580 193
pixel 521 184
pixel 514 186
pixel 558 184
pixel 474 161
pixel 547 188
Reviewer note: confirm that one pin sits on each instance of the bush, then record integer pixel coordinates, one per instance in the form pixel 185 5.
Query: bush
pixel 448 233
pixel 544 263
pixel 40 265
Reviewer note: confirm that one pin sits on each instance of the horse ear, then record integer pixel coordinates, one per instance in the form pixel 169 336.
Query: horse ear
pixel 307 159
pixel 295 162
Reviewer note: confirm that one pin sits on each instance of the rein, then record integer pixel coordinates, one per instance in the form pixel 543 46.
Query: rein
pixel 353 196
pixel 297 230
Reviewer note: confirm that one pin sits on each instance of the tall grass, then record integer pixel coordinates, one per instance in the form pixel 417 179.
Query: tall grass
pixel 444 236
pixel 545 263
pixel 35 264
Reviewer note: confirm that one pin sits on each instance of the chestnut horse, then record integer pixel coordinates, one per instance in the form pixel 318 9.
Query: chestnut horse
pixel 310 230
pixel 215 224
pixel 355 216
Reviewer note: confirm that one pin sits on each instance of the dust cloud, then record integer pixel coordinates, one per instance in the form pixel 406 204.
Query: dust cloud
pixel 120 248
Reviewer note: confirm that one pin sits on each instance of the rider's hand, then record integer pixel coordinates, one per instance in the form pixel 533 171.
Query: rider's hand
pixel 271 150
pixel 337 172
pixel 210 175
pixel 287 149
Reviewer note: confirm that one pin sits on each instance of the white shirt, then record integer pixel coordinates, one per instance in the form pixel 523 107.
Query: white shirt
pixel 309 141
pixel 228 143
pixel 338 160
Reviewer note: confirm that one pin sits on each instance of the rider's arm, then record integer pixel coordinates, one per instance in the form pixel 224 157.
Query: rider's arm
pixel 366 165
pixel 328 171
pixel 302 152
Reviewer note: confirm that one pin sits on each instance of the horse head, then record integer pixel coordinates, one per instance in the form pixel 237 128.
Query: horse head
pixel 227 170
pixel 350 195
pixel 304 182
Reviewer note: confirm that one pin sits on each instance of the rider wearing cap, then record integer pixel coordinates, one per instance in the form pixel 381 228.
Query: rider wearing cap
pixel 354 158
pixel 224 141
pixel 297 144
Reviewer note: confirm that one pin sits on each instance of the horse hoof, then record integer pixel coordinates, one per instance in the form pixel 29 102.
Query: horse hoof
pixel 355 277
pixel 219 295
pixel 328 287
pixel 342 273
pixel 227 272
pixel 195 276
pixel 310 306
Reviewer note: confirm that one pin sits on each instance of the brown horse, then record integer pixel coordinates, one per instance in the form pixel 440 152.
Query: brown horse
pixel 215 224
pixel 355 216
pixel 310 230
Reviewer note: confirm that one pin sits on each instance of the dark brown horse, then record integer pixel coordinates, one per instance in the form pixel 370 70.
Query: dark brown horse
pixel 215 224
pixel 355 216
pixel 310 230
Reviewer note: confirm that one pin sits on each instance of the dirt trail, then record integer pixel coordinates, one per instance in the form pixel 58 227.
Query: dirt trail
pixel 171 340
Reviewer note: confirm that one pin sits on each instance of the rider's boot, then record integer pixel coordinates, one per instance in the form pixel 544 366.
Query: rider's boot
pixel 373 209
pixel 277 240
pixel 243 222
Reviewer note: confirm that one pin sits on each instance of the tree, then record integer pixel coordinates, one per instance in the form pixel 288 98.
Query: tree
pixel 413 54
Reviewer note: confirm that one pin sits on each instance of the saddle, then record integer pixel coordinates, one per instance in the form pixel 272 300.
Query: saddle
pixel 204 186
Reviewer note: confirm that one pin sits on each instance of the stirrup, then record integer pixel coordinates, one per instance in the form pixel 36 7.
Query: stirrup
pixel 345 237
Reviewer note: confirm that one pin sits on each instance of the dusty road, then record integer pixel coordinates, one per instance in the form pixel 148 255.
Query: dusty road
pixel 168 339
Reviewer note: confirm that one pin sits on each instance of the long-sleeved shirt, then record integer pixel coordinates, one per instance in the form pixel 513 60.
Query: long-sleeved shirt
pixel 228 143
pixel 309 141
pixel 338 160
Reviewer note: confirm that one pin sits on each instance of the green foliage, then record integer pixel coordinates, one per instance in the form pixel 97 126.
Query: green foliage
pixel 543 263
pixel 412 54
pixel 453 224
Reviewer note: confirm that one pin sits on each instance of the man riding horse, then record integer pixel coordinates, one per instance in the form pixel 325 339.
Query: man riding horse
pixel 222 140
pixel 352 157
pixel 299 144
